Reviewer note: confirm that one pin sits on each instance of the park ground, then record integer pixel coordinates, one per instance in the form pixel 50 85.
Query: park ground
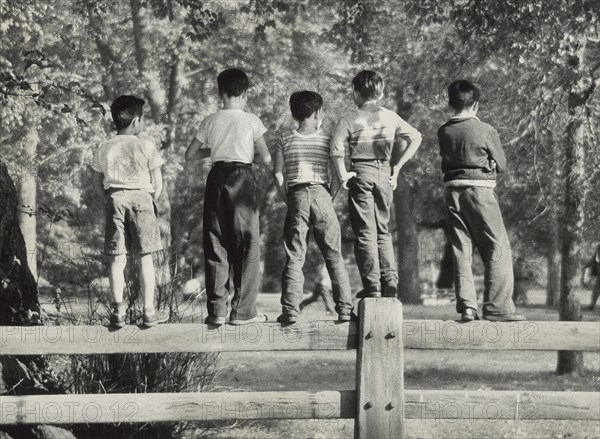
pixel 424 369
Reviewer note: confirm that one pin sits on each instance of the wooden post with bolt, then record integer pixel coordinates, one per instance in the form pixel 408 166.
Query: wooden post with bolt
pixel 379 370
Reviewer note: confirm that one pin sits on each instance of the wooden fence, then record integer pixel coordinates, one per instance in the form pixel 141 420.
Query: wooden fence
pixel 379 405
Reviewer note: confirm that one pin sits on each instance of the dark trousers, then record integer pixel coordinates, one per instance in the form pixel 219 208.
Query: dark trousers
pixel 475 219
pixel 370 200
pixel 312 206
pixel 231 240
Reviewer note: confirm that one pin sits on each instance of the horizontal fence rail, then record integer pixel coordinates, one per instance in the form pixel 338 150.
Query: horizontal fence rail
pixel 318 335
pixel 379 405
pixel 227 406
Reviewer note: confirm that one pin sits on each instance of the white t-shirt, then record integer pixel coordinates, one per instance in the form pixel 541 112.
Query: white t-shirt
pixel 126 162
pixel 230 135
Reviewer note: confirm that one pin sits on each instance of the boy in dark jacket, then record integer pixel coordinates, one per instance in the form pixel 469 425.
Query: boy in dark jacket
pixel 472 156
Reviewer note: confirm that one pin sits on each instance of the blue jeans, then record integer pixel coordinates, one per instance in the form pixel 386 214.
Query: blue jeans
pixel 370 200
pixel 312 206
pixel 475 220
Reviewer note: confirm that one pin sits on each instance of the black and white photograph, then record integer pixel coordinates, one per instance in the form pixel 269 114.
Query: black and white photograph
pixel 300 219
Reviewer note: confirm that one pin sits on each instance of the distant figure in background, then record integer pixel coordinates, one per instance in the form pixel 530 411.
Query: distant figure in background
pixel 592 274
pixel 323 289
pixel 522 279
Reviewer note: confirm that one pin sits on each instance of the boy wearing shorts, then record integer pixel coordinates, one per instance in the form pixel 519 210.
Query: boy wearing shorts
pixel 132 182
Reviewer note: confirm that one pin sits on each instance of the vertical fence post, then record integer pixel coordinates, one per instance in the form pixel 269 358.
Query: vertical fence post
pixel 379 370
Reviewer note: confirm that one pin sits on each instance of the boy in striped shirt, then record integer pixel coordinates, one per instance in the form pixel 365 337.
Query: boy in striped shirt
pixel 303 179
pixel 380 143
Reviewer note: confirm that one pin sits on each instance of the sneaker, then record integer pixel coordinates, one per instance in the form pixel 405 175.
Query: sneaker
pixel 362 294
pixel 286 319
pixel 390 290
pixel 153 318
pixel 468 315
pixel 261 318
pixel 504 317
pixel 117 317
pixel 215 320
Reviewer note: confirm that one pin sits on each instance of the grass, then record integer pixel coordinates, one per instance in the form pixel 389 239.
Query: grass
pixel 453 370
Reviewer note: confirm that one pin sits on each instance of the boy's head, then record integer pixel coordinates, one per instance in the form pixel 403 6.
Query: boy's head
pixel 304 104
pixel 463 95
pixel 232 82
pixel 127 109
pixel 368 85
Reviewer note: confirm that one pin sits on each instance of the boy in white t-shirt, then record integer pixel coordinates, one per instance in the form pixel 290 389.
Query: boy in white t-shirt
pixel 232 138
pixel 129 167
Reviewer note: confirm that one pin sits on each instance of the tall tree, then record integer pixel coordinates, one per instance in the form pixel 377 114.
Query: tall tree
pixel 560 50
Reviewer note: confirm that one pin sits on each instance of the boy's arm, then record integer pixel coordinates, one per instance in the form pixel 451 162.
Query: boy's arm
pixel 341 133
pixel 157 182
pixel 278 175
pixel 261 152
pixel 335 183
pixel 195 151
pixel 496 152
pixel 401 153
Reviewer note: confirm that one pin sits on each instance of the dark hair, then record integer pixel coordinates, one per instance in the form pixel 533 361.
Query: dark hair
pixel 232 82
pixel 126 108
pixel 462 94
pixel 304 103
pixel 368 84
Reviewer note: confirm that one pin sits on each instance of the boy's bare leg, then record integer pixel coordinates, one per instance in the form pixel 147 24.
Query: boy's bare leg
pixel 147 281
pixel 116 277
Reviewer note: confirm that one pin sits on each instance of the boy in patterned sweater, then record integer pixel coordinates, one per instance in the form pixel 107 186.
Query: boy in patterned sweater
pixel 380 143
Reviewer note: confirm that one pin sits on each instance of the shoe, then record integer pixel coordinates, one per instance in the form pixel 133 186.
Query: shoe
pixel 362 294
pixel 590 307
pixel 468 315
pixel 504 317
pixel 117 317
pixel 153 318
pixel 390 291
pixel 117 320
pixel 286 319
pixel 215 320
pixel 261 318
pixel 348 317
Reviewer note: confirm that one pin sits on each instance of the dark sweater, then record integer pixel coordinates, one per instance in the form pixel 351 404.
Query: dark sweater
pixel 467 147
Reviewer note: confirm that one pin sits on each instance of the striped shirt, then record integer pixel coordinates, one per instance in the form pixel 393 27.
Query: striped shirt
pixel 370 132
pixel 305 157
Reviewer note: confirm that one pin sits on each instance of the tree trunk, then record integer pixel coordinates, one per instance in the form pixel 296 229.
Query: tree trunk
pixel 27 189
pixel 407 244
pixel 553 248
pixel 19 306
pixel 553 260
pixel 156 99
pixel 18 291
pixel 576 186
pixel 407 236
pixel 153 90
